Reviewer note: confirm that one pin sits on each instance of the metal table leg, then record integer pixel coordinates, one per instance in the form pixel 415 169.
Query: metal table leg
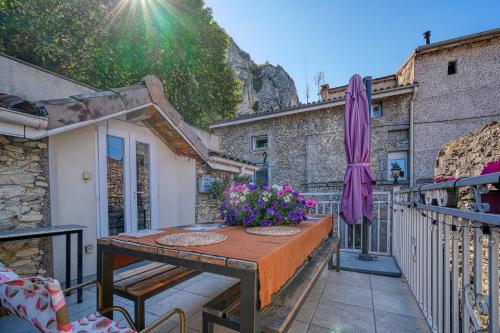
pixel 105 277
pixel 79 276
pixel 249 321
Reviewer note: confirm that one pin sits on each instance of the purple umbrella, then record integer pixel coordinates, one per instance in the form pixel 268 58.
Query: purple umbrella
pixel 357 198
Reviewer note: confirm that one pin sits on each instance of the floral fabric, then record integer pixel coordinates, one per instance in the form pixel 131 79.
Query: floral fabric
pixel 6 274
pixel 96 323
pixel 39 301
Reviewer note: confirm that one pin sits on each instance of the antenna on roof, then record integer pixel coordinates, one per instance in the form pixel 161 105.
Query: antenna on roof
pixel 307 78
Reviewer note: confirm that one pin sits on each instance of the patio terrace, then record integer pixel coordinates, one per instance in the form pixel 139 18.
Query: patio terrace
pixel 339 302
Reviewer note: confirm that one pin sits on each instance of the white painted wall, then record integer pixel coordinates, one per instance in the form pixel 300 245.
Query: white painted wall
pixel 33 83
pixel 75 201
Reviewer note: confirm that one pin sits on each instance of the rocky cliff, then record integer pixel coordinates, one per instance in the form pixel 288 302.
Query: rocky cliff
pixel 265 87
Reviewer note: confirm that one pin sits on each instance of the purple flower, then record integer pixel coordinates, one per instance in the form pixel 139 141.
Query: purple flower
pixel 270 211
pixel 261 203
pixel 252 187
pixel 265 223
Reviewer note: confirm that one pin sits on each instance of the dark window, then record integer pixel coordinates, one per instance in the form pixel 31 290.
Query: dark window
pixel 260 142
pixel 452 67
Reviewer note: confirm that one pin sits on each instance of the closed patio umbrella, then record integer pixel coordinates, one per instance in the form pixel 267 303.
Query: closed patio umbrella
pixel 357 197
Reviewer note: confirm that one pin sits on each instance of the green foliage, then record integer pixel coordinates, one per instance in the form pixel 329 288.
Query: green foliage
pixel 257 84
pixel 114 43
pixel 255 106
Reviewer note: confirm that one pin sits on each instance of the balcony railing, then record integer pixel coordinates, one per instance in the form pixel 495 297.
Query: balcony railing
pixel 450 255
pixel 351 237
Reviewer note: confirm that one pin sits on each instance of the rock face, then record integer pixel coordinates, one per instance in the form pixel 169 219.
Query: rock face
pixel 265 87
pixel 466 156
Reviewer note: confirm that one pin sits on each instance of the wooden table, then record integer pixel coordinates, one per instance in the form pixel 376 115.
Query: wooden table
pixel 67 230
pixel 245 271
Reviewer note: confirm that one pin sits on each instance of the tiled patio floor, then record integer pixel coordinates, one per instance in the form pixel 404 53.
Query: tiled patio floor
pixel 340 302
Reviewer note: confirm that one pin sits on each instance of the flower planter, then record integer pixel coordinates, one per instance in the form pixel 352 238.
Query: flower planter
pixel 493 199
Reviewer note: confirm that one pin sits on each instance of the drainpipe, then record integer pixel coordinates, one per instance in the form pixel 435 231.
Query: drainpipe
pixel 411 135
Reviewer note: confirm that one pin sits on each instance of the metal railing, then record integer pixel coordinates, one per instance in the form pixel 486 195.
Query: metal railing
pixel 449 256
pixel 350 236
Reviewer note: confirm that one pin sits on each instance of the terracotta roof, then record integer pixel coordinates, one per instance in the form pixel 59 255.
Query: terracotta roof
pixel 19 104
pixel 300 106
pixel 228 157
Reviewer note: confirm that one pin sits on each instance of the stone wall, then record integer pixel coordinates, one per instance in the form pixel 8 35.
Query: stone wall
pixel 24 203
pixel 307 149
pixel 207 205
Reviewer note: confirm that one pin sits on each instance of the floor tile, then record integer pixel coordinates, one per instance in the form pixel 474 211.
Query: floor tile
pixel 398 303
pixel 307 311
pixel 298 327
pixel 188 302
pixel 347 294
pixel 390 284
pixel 209 287
pixel 390 322
pixel 339 317
pixel 354 279
pixel 158 297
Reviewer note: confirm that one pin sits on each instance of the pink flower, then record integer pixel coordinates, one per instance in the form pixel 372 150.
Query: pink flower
pixel 234 201
pixel 491 168
pixel 310 203
pixel 287 188
pixel 280 193
pixel 441 180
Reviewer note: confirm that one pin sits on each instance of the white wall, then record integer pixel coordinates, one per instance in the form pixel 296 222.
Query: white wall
pixel 33 83
pixel 75 201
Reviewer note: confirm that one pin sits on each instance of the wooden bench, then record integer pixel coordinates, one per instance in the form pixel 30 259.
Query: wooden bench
pixel 141 283
pixel 277 317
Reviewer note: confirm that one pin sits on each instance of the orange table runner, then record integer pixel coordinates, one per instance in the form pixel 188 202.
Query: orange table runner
pixel 277 257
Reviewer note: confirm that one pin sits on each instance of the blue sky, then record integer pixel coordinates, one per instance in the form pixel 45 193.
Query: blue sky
pixel 342 38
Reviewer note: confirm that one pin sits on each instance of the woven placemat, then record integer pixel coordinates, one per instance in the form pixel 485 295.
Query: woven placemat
pixel 192 239
pixel 273 231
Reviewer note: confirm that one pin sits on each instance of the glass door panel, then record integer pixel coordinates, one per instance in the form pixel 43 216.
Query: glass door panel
pixel 143 185
pixel 115 160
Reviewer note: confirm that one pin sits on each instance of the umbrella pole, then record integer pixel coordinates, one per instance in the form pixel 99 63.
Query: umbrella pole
pixel 365 227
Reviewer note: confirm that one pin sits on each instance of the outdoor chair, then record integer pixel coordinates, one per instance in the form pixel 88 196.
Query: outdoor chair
pixel 40 301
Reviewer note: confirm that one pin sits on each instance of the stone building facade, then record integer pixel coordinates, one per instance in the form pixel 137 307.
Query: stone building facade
pixel 451 104
pixel 24 202
pixel 306 149
pixel 443 91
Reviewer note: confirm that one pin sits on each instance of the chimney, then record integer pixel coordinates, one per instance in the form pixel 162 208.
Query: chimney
pixel 427 37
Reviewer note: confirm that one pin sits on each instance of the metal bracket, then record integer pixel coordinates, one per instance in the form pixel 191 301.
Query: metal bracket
pixel 479 206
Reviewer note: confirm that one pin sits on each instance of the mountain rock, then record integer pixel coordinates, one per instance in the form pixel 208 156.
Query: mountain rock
pixel 265 87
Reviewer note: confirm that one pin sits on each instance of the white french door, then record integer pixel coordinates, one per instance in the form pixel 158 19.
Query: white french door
pixel 127 177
